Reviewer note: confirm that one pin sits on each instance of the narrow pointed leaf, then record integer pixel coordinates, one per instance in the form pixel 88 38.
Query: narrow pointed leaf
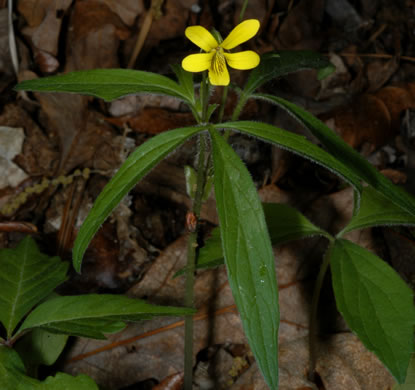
pixel 248 256
pixel 285 223
pixel 346 154
pixel 92 315
pixel 211 255
pixel 296 144
pixel 376 304
pixel 90 328
pixel 107 84
pixel 137 165
pixel 377 210
pixel 26 277
pixel 275 65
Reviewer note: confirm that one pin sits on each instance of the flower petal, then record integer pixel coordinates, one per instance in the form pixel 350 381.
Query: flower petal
pixel 241 33
pixel 201 37
pixel 221 78
pixel 197 62
pixel 242 60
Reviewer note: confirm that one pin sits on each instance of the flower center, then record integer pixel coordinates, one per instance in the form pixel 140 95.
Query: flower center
pixel 218 61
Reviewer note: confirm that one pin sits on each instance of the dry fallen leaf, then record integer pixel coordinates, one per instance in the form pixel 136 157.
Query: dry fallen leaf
pixel 65 116
pixel 11 142
pixel 44 20
pixel 127 10
pixel 372 118
pixel 342 363
pixel 153 120
pixel 38 157
pixel 94 28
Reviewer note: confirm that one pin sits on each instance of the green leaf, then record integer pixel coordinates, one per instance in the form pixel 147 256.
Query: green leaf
pixel 12 370
pixel 346 154
pixel 211 255
pixel 377 210
pixel 376 304
pixel 284 224
pixel 93 315
pixel 40 347
pixel 13 377
pixel 64 381
pixel 107 84
pixel 185 82
pixel 26 277
pixel 248 256
pixel 410 377
pixel 137 165
pixel 210 110
pixel 275 65
pixel 90 328
pixel 296 144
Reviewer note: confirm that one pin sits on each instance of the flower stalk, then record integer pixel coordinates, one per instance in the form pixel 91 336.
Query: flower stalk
pixel 214 65
pixel 192 241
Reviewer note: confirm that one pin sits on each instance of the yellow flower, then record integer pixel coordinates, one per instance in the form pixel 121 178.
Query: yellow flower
pixel 216 58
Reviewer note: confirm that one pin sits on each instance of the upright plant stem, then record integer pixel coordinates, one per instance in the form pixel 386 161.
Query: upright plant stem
pixel 192 245
pixel 312 337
